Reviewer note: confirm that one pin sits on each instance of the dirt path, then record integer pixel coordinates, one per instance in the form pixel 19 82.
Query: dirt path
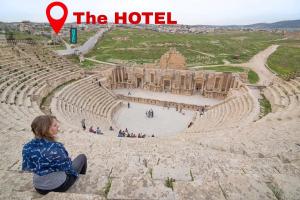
pixel 206 54
pixel 101 62
pixel 257 64
pixel 67 45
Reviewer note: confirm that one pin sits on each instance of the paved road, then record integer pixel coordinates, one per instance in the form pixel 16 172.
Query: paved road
pixel 88 45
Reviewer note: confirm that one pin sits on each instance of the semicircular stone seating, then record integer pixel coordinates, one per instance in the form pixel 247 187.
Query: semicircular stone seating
pixel 236 110
pixel 85 99
pixel 225 155
pixel 27 76
pixel 256 139
pixel 284 97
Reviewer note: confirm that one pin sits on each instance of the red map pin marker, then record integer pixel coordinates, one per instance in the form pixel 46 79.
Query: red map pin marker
pixel 57 24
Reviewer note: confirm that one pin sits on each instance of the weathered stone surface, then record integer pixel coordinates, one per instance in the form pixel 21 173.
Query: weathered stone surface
pixel 15 181
pixel 285 187
pixel 231 154
pixel 178 173
pixel 89 184
pixel 245 187
pixel 129 164
pixel 172 60
pixel 15 195
pixel 71 196
pixel 197 190
pixel 139 187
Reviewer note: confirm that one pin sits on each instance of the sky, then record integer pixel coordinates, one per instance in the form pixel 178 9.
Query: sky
pixel 192 12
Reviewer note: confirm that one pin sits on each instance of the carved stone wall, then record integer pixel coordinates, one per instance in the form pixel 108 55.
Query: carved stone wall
pixel 172 60
pixel 171 75
pixel 184 82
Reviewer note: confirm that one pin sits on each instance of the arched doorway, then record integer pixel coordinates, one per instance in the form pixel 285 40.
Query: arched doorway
pixel 138 82
pixel 198 88
pixel 167 85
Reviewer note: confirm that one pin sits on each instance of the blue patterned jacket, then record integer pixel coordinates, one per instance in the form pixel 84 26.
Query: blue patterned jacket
pixel 43 157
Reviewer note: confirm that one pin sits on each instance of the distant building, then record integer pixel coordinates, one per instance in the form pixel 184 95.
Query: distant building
pixel 26 26
pixel 55 38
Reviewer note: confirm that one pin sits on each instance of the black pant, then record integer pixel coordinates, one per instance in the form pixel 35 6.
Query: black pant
pixel 80 165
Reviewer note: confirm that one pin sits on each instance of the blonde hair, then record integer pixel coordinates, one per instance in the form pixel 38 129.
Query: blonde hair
pixel 40 126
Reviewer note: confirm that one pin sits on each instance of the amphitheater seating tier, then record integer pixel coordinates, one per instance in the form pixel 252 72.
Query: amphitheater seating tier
pixel 23 81
pixel 224 156
pixel 238 109
pixel 84 99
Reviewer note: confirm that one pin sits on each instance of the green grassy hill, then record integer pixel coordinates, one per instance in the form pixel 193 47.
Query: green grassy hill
pixel 286 60
pixel 146 46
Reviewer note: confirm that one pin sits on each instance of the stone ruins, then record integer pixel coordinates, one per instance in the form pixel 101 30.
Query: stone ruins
pixel 229 152
pixel 171 75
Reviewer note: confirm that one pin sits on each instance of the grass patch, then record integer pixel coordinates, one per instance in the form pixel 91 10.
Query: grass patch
pixel 151 172
pixel 74 59
pixel 169 183
pixel 253 77
pixel 192 176
pixel 265 106
pixel 83 36
pixel 142 46
pixel 18 35
pixel 57 47
pixel 278 193
pixel 223 69
pixel 286 61
pixel 107 187
pixel 87 64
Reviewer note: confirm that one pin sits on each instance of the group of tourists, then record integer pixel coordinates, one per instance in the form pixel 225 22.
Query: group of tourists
pixel 201 112
pixel 91 129
pixel 96 80
pixel 150 113
pixel 125 133
pixel 97 131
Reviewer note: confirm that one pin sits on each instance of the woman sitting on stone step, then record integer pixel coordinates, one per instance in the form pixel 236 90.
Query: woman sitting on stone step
pixel 48 159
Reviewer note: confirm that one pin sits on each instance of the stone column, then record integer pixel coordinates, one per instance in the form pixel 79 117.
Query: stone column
pixel 122 75
pixel 227 83
pixel 113 78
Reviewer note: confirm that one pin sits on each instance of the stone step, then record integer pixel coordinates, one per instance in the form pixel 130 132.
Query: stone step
pixel 71 196
pixel 197 190
pixel 285 187
pixel 139 187
pixel 245 187
pixel 90 184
